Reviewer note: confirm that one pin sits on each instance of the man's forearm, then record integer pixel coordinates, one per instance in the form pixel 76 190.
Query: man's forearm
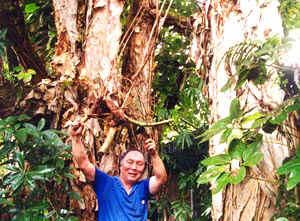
pixel 78 151
pixel 159 170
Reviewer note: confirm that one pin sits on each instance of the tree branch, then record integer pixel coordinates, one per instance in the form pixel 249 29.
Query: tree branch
pixel 181 24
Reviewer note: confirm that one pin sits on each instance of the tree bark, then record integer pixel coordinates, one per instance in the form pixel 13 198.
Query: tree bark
pixel 93 89
pixel 231 23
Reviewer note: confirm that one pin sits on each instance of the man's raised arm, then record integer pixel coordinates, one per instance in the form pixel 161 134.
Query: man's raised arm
pixel 159 172
pixel 79 153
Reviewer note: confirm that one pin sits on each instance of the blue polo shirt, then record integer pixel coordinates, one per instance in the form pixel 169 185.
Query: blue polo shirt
pixel 115 204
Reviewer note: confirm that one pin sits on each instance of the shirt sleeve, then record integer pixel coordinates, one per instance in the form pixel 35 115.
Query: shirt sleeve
pixel 101 181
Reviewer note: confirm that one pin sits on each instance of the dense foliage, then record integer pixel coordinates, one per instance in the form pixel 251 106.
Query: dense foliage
pixel 33 160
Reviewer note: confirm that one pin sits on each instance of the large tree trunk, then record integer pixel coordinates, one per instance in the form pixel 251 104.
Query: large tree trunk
pixel 95 88
pixel 232 22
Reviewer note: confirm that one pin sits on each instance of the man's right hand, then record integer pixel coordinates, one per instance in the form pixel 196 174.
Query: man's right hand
pixel 76 130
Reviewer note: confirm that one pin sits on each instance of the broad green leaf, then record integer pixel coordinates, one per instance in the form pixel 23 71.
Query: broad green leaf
pixel 289 166
pixel 258 123
pixel 236 149
pixel 41 124
pixel 30 126
pixel 254 159
pixel 5 150
pixel 225 135
pixel 281 219
pixel 252 148
pixel 221 182
pixel 31 8
pixel 239 176
pixel 220 159
pixel 19 156
pixel 17 181
pixel 294 179
pixel 42 169
pixel 6 202
pixel 26 76
pixel 279 118
pixel 235 108
pixel 293 107
pixel 252 117
pixel 22 135
pixel 298 152
pixel 216 128
pixel 211 174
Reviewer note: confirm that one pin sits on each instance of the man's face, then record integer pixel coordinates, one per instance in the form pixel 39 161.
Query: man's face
pixel 132 167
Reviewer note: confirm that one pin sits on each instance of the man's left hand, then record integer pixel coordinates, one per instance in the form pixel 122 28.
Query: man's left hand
pixel 150 146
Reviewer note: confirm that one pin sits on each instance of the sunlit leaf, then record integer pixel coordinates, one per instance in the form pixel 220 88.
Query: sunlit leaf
pixel 221 182
pixel 220 159
pixel 294 179
pixel 236 149
pixel 238 176
pixel 211 174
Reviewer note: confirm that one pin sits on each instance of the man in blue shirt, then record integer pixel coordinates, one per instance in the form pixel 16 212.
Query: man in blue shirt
pixel 122 198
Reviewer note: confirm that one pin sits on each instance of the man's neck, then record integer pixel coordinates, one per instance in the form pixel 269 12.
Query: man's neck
pixel 127 186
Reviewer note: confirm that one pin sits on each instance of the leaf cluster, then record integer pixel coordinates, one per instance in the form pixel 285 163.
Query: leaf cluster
pixel 241 130
pixel 40 22
pixel 291 169
pixel 35 160
pixel 251 60
pixel 220 168
pixel 290 13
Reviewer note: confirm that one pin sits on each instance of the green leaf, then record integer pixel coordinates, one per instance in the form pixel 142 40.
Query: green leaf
pixel 236 149
pixel 252 117
pixel 6 202
pixel 22 135
pixel 17 181
pixel 220 159
pixel 281 219
pixel 254 159
pixel 26 76
pixel 221 182
pixel 31 8
pixel 216 128
pixel 239 176
pixel 5 150
pixel 225 135
pixel 19 156
pixel 294 179
pixel 210 174
pixel 258 123
pixel 41 170
pixel 288 166
pixel 279 118
pixel 235 108
pixel 41 124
